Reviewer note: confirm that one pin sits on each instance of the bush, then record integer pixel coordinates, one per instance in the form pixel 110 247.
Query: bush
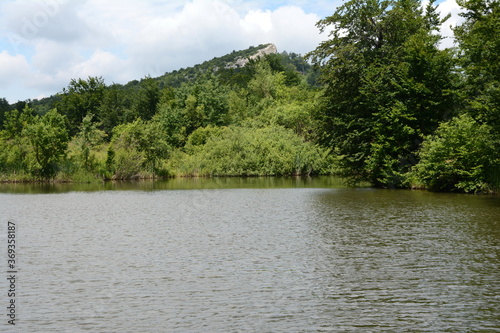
pixel 459 157
pixel 249 151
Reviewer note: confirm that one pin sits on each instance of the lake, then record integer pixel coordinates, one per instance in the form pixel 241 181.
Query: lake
pixel 250 255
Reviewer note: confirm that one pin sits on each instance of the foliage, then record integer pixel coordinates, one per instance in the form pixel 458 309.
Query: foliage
pixel 458 157
pixel 136 146
pixel 16 121
pixel 378 100
pixel 387 85
pixel 202 103
pixel 49 140
pixel 14 144
pixel 81 98
pixel 125 159
pixel 4 107
pixel 147 99
pixel 480 57
pixel 115 108
pixel 249 151
pixel 87 139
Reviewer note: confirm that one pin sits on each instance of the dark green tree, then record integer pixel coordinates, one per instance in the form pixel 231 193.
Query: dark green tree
pixel 147 99
pixel 479 44
pixel 4 107
pixel 80 98
pixel 116 104
pixel 387 85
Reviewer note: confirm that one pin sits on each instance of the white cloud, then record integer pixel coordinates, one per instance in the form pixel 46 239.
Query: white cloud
pixel 52 56
pixel 257 21
pixel 449 7
pixel 12 68
pixel 101 63
pixel 56 20
pixel 291 36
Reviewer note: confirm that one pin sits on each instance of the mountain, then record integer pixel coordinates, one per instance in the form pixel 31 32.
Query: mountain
pixel 230 68
pixel 233 61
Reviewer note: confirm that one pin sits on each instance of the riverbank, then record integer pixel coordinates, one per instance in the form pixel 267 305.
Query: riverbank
pixel 147 181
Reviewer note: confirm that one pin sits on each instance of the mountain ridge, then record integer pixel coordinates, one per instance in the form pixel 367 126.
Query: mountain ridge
pixel 228 65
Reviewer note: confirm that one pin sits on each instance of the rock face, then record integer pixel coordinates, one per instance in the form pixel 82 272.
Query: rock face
pixel 241 62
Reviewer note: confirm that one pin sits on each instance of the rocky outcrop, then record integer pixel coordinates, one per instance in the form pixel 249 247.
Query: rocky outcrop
pixel 241 62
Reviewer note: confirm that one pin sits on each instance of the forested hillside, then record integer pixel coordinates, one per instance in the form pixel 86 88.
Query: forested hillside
pixel 217 118
pixel 378 102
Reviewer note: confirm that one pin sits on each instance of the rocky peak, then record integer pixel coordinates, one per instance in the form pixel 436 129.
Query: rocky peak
pixel 241 62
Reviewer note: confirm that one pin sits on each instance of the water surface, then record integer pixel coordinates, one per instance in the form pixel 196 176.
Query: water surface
pixel 262 259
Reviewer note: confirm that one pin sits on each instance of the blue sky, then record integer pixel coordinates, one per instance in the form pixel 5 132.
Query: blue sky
pixel 46 43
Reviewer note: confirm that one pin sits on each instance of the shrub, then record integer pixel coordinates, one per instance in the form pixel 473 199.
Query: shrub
pixel 249 151
pixel 459 157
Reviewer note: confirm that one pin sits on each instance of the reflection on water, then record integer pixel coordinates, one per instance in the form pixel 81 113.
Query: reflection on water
pixel 258 259
pixel 176 184
pixel 418 260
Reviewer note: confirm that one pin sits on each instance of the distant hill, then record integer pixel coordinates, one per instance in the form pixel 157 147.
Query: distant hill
pixel 227 67
pixel 232 61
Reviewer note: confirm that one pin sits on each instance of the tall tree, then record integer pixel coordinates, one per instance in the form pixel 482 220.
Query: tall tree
pixel 4 107
pixel 49 138
pixel 147 99
pixel 387 85
pixel 15 121
pixel 203 103
pixel 115 105
pixel 14 143
pixel 479 43
pixel 88 138
pixel 80 98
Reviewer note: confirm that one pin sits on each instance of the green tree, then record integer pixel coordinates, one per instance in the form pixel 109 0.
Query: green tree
pixel 479 45
pixel 458 157
pixel 49 140
pixel 266 84
pixel 115 105
pixel 16 121
pixel 202 103
pixel 4 107
pixel 172 123
pixel 123 158
pixel 80 98
pixel 140 144
pixel 147 98
pixel 387 85
pixel 87 139
pixel 14 145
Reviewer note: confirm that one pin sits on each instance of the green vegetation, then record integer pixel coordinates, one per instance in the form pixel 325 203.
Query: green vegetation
pixel 381 103
pixel 249 151
pixel 459 156
pixel 391 95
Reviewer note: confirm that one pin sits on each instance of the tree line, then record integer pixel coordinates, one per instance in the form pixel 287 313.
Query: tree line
pixel 381 103
pixel 232 121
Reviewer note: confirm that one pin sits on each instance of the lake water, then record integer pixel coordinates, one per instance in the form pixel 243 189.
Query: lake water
pixel 250 255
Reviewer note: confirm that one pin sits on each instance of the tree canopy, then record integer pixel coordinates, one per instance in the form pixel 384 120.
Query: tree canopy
pixel 387 85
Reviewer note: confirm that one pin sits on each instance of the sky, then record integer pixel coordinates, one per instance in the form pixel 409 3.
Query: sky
pixel 46 43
